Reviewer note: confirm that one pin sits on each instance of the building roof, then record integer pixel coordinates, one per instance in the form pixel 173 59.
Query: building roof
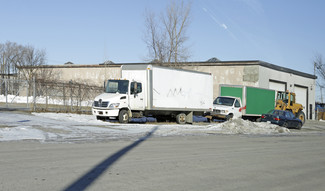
pixel 253 62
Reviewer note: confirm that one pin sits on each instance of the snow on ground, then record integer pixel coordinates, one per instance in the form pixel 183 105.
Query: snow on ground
pixel 63 127
pixel 40 100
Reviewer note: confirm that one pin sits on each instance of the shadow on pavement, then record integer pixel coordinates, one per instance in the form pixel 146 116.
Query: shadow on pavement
pixel 87 179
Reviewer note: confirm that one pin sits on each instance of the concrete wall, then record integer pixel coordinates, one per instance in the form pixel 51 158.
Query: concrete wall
pixel 95 74
pixel 237 75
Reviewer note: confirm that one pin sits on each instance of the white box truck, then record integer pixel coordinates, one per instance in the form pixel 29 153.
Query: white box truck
pixel 243 101
pixel 160 92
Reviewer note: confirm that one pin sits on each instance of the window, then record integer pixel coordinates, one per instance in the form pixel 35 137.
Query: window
pixel 138 87
pixel 224 101
pixel 291 115
pixel 139 90
pixel 292 99
pixel 117 86
pixel 288 116
pixel 237 104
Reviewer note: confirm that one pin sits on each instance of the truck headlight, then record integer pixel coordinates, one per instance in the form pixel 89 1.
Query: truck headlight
pixel 114 105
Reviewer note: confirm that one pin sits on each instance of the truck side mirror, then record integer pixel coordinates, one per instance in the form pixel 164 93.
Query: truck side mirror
pixel 135 89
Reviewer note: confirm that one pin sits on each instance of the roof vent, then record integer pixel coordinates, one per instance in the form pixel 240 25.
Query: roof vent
pixel 214 59
pixel 108 62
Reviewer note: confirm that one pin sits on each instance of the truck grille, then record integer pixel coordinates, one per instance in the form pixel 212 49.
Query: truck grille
pixel 101 104
pixel 216 111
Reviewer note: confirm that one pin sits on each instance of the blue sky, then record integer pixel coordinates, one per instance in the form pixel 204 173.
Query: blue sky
pixel 287 33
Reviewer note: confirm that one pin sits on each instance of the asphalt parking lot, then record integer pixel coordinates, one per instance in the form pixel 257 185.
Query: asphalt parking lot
pixel 209 161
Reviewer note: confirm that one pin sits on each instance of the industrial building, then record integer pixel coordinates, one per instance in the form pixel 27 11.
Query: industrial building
pixel 253 73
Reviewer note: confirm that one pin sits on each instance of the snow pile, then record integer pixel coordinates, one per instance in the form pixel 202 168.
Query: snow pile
pixel 239 126
pixel 66 127
pixel 236 126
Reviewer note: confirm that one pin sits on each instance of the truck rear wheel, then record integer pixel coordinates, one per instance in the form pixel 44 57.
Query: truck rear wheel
pixel 301 115
pixel 123 116
pixel 181 118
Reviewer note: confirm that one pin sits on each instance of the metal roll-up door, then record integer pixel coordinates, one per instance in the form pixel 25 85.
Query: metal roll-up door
pixel 278 86
pixel 301 97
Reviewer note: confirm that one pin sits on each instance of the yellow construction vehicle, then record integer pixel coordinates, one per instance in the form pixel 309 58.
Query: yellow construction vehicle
pixel 287 101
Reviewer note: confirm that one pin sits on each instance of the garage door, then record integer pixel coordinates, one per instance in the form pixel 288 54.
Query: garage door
pixel 278 86
pixel 301 97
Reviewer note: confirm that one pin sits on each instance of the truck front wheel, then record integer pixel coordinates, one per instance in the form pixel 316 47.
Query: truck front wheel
pixel 123 116
pixel 229 117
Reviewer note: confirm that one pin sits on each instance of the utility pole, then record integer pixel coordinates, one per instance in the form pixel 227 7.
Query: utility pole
pixel 321 91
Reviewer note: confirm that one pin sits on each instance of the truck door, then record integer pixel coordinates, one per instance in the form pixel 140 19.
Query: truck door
pixel 237 111
pixel 136 96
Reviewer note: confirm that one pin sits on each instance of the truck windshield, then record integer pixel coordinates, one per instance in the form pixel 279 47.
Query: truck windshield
pixel 224 101
pixel 117 86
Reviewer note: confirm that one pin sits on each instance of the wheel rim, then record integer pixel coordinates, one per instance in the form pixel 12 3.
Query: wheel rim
pixel 125 117
pixel 301 117
pixel 182 118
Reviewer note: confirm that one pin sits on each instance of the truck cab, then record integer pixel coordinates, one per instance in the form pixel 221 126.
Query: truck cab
pixel 119 97
pixel 227 107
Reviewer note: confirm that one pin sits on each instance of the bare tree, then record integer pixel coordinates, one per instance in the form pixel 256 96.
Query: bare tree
pixel 10 54
pixel 31 61
pixel 166 37
pixel 27 59
pixel 319 67
pixel 154 39
pixel 319 70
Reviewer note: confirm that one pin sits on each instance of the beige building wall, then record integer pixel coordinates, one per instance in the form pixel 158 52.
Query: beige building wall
pixel 93 74
pixel 233 75
pixel 97 74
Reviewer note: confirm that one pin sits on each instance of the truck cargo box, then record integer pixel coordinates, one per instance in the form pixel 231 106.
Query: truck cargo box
pixel 255 101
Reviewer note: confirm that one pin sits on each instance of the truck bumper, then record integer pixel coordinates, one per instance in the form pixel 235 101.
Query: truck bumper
pixel 105 112
pixel 219 116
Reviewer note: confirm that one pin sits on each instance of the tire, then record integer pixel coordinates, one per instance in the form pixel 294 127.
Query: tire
pixel 123 116
pixel 301 115
pixel 299 126
pixel 181 118
pixel 285 124
pixel 229 117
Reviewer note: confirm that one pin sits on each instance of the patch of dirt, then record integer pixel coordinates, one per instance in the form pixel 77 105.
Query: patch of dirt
pixel 6 126
pixel 51 130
